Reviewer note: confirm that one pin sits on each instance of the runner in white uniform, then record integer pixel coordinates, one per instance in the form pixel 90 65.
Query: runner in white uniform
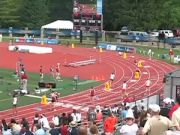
pixel 148 83
pixel 124 87
pixel 14 103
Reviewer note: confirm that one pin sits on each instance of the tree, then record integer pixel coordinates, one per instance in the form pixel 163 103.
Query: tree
pixel 60 9
pixel 34 14
pixel 9 12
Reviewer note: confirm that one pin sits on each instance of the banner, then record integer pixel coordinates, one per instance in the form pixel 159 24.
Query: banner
pixel 111 47
pixel 99 6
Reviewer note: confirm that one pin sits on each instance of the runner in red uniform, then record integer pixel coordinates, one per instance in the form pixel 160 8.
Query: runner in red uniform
pixel 53 100
pixel 41 73
pixel 58 75
pixel 92 94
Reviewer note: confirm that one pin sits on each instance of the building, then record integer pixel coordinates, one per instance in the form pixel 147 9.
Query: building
pixel 172 84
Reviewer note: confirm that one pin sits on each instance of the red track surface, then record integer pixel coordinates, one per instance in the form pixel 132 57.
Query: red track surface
pixel 108 62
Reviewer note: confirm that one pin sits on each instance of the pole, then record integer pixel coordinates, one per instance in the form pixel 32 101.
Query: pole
pixel 171 93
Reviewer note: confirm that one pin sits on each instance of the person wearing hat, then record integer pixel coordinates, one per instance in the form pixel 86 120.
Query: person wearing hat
pixel 73 128
pixel 130 128
pixel 156 124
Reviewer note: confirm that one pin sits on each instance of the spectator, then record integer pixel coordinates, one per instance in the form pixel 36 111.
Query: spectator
pixel 44 122
pixel 64 129
pixel 106 111
pixel 55 120
pixel 53 130
pixel 73 128
pixel 99 116
pixel 110 124
pixel 94 130
pixel 143 119
pixel 91 114
pixel 16 128
pixel 73 114
pixel 36 118
pixel 173 109
pixel 7 131
pixel 82 130
pixel 124 112
pixel 78 117
pixel 39 131
pixel 130 128
pixel 176 116
pixel 69 118
pixel 27 132
pixel 24 123
pixel 157 124
pixel 136 113
pixel 3 125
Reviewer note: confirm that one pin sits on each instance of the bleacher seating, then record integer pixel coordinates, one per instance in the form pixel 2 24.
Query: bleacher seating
pixel 82 63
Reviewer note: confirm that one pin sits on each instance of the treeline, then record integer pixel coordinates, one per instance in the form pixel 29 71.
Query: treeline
pixel 142 14
pixel 136 14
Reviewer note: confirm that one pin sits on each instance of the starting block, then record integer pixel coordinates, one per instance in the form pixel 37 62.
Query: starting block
pixel 44 100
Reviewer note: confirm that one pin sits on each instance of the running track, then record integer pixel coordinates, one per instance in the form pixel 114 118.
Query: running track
pixel 107 62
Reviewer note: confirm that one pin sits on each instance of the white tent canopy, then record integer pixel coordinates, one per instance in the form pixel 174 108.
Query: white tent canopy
pixel 59 24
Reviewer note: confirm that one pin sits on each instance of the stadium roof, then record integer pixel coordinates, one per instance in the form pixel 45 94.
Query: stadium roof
pixel 59 24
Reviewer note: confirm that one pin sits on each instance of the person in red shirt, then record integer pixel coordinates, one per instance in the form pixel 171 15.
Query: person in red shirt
pixel 92 94
pixel 64 129
pixel 41 73
pixel 173 109
pixel 110 124
pixel 58 75
pixel 24 79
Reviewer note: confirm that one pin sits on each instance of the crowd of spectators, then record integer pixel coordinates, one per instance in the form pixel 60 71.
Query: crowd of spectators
pixel 120 119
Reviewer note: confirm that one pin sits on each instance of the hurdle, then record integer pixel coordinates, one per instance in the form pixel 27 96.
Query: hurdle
pixel 82 63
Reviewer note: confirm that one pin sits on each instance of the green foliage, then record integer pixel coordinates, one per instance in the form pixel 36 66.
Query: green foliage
pixel 60 9
pixel 34 14
pixel 9 13
pixel 136 14
pixel 8 83
pixel 141 14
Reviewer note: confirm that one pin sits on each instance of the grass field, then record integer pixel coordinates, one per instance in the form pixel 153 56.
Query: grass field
pixel 158 53
pixel 9 83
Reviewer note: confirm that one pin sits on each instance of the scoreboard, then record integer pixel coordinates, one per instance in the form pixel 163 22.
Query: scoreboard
pixel 86 18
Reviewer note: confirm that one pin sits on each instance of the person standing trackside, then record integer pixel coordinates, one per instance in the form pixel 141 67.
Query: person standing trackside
pixel 24 79
pixel 14 103
pixel 41 73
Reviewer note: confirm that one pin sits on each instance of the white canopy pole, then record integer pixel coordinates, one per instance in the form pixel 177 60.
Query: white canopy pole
pixel 42 36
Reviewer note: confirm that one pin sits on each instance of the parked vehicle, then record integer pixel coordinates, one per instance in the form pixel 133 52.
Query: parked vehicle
pixel 154 34
pixel 139 36
pixel 173 42
pixel 176 32
pixel 168 33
